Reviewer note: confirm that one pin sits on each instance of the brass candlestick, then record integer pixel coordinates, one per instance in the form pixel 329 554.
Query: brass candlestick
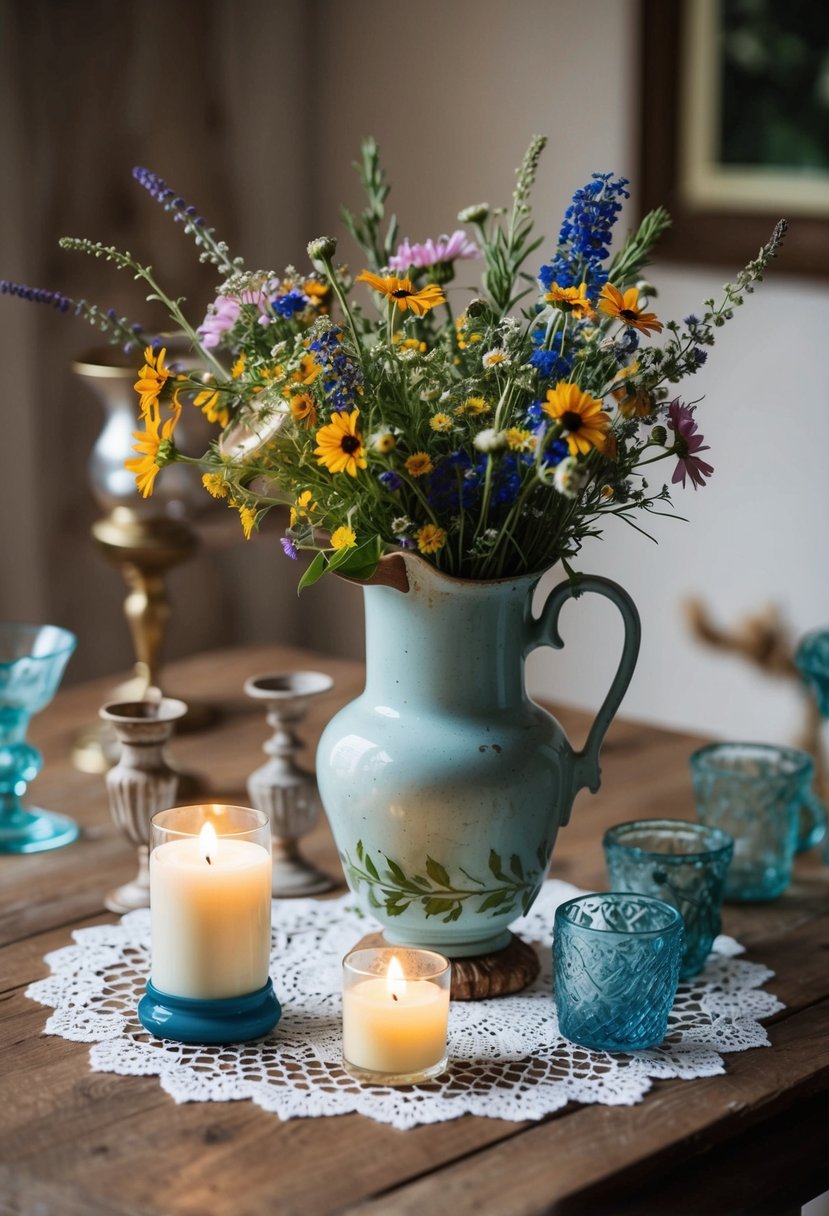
pixel 144 538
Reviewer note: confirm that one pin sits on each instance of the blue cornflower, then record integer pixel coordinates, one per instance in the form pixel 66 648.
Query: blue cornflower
pixel 292 302
pixel 585 235
pixel 342 377
pixel 390 480
pixel 38 294
pixel 696 357
pixel 289 547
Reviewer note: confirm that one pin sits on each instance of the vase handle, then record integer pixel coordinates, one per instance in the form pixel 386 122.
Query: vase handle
pixel 544 632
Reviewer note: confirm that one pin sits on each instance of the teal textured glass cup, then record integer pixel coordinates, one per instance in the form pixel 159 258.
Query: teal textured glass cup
pixel 757 792
pixel 32 661
pixel 616 959
pixel 685 864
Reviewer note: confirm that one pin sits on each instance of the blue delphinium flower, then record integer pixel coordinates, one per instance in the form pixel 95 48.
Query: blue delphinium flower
pixel 584 239
pixel 552 364
pixel 342 377
pixel 555 453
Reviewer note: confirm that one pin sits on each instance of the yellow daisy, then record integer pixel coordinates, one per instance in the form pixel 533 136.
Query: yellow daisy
pixel 403 292
pixel 215 485
pixel 247 518
pixel 304 409
pixel 474 406
pixel 571 299
pixel 303 507
pixel 307 371
pixel 440 422
pixel 419 464
pixel 239 366
pixel 340 446
pixel 343 538
pixel 519 440
pixel 150 445
pixel 209 402
pixel 152 378
pixel 580 416
pixel 430 538
pixel 625 307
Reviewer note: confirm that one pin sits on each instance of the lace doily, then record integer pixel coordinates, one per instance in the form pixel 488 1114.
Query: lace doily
pixel 508 1060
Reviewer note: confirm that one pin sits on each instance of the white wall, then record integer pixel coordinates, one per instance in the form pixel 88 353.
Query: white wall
pixel 755 533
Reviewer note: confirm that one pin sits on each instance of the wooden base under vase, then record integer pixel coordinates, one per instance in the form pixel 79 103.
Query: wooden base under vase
pixel 480 976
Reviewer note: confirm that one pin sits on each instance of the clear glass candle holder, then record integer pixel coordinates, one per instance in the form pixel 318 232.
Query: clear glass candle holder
pixel 395 1014
pixel 683 863
pixel 616 958
pixel 210 910
pixel 761 795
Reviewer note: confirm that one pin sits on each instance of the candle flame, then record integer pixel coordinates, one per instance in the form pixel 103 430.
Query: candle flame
pixel 207 842
pixel 395 981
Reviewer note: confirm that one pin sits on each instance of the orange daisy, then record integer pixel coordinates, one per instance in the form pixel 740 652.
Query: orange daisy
pixel 403 292
pixel 625 307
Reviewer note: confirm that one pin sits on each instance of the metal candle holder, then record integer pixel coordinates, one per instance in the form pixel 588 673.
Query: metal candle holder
pixel 281 788
pixel 140 784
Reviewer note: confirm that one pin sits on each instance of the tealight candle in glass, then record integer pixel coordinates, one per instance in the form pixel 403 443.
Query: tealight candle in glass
pixel 210 908
pixel 395 1014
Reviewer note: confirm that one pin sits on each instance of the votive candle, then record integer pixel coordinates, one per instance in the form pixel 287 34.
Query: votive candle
pixel 395 1014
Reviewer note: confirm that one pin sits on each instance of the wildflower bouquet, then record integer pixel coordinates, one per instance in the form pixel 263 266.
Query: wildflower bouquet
pixel 491 437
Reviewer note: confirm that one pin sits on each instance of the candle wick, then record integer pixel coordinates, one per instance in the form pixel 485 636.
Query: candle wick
pixel 209 862
pixel 394 996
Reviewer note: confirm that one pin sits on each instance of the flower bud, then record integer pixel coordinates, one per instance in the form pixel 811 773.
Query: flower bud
pixel 659 435
pixel 476 214
pixel 322 248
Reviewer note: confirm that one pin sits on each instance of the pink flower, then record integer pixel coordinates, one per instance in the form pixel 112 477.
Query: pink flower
pixel 223 314
pixel 687 443
pixel 221 317
pixel 444 249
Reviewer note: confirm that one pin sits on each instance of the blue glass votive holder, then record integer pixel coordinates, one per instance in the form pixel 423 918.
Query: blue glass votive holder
pixel 685 864
pixel 616 958
pixel 210 913
pixel 761 795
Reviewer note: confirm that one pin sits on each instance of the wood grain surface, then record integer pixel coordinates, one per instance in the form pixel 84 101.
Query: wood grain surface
pixel 75 1142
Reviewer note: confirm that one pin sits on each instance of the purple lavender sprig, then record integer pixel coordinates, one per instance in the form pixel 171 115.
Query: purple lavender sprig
pixel 195 225
pixel 119 329
pixel 39 294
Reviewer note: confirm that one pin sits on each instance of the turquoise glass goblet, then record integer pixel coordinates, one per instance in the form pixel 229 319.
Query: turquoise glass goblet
pixel 32 661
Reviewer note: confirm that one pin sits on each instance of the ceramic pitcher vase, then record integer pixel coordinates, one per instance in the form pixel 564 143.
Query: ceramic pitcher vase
pixel 444 784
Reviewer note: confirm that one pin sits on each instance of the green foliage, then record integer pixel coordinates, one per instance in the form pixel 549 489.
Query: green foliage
pixel 388 886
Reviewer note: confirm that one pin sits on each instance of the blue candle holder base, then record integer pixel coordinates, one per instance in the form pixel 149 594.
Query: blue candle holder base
pixel 233 1020
pixel 30 830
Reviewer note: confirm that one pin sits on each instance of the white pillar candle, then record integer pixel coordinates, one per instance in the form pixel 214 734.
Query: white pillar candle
pixel 210 901
pixel 394 1024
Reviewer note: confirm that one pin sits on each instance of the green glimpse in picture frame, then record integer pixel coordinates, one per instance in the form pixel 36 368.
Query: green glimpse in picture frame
pixel 735 126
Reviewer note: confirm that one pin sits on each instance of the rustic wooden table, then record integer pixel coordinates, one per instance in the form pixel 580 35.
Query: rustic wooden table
pixel 76 1143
